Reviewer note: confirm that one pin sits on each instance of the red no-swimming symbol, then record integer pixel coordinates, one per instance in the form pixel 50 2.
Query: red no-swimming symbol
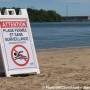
pixel 20 55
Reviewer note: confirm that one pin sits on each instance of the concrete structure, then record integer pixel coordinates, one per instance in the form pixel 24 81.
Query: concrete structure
pixel 76 18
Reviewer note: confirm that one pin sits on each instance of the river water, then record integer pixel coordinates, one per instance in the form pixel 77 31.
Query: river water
pixel 61 34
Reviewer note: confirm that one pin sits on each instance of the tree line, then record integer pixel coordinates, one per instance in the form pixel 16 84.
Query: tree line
pixel 41 15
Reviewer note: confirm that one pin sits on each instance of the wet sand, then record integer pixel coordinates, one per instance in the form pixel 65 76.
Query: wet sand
pixel 62 67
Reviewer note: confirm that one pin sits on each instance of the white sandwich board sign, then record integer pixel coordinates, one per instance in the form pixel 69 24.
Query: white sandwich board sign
pixel 17 47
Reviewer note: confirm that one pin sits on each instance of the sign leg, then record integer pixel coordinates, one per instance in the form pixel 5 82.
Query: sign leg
pixel 38 72
pixel 8 75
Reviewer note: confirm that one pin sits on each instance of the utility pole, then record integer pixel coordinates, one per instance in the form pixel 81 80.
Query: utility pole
pixel 67 13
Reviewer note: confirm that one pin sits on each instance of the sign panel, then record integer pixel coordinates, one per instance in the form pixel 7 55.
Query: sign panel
pixel 17 46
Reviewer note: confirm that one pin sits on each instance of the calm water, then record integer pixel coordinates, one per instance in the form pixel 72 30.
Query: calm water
pixel 61 35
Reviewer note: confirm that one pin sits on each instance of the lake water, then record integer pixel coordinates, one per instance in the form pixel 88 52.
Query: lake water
pixel 61 34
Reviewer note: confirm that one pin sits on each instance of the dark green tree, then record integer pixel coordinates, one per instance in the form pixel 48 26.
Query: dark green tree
pixel 39 15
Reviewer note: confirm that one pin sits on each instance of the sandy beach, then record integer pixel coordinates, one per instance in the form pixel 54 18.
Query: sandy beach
pixel 62 67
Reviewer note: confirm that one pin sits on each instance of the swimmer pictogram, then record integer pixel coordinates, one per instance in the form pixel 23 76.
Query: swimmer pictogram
pixel 20 55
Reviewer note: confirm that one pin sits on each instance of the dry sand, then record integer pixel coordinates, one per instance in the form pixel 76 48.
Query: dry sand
pixel 66 67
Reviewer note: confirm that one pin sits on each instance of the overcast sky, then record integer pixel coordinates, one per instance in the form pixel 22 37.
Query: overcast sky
pixel 63 7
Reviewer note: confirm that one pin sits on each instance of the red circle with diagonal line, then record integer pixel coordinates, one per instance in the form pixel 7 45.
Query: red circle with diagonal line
pixel 14 50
